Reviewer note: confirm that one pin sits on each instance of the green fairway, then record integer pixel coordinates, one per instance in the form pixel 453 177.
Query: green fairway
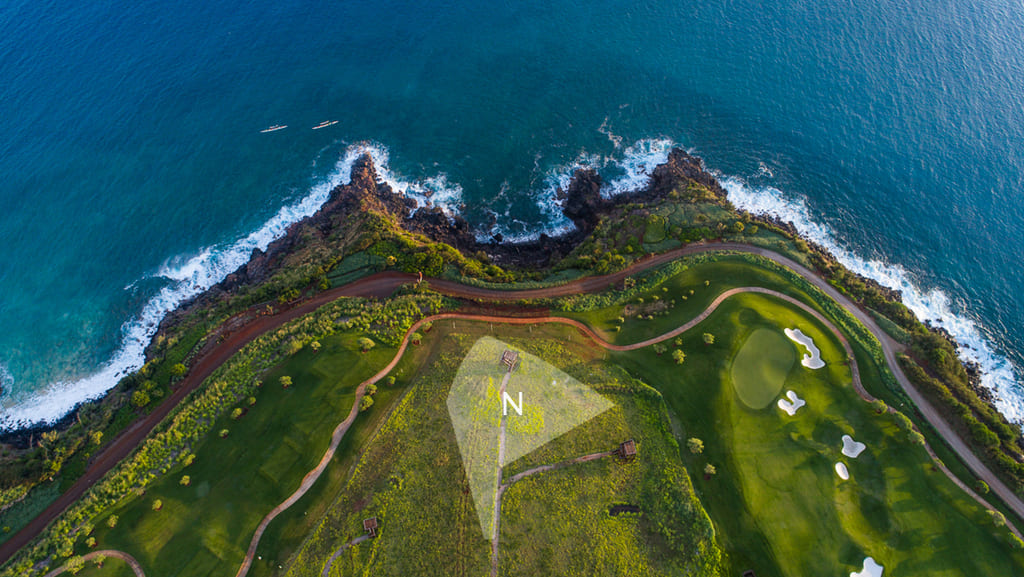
pixel 204 528
pixel 760 368
pixel 777 503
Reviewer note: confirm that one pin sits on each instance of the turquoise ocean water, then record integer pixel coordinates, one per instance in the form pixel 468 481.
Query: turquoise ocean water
pixel 134 172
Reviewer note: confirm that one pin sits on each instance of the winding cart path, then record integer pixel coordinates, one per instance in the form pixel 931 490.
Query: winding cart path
pixel 109 553
pixel 383 284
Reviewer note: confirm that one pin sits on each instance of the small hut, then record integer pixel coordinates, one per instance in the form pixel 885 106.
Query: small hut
pixel 370 526
pixel 510 359
pixel 626 450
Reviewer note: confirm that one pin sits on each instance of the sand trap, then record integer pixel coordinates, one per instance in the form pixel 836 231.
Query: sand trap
pixel 792 404
pixel 843 472
pixel 812 360
pixel 871 569
pixel 852 448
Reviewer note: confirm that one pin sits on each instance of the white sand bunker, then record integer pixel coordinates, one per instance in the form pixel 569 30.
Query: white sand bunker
pixel 871 569
pixel 852 448
pixel 792 404
pixel 811 360
pixel 842 471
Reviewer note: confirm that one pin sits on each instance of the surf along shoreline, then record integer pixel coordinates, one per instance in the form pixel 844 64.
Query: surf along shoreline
pixel 240 308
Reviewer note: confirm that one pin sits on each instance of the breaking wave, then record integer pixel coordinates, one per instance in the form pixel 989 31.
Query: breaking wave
pixel 189 276
pixel 933 305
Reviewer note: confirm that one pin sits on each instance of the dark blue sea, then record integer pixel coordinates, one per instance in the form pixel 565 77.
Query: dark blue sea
pixel 134 173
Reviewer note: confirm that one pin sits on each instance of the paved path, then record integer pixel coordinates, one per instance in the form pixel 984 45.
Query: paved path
pixel 383 284
pixel 356 541
pixel 109 553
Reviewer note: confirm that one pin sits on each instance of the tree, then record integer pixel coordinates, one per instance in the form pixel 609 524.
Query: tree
pixel 315 345
pixel 981 487
pixel 879 406
pixel 678 342
pixel 709 339
pixel 371 389
pixel 285 381
pixel 738 226
pixel 236 413
pixel 427 326
pixel 75 565
pixel 157 505
pixel 185 481
pixel 709 469
pixel 189 459
pixel 679 356
pixel 140 399
pixel 660 348
pixel 178 370
pixel 96 437
pixel 90 542
pixel 365 403
pixel 695 445
pixel 99 560
pixel 391 380
pixel 365 344
pixel 251 401
pixel 112 521
pixel 223 433
pixel 415 338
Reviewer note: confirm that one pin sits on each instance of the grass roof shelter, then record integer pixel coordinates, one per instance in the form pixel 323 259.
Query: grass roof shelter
pixel 370 526
pixel 627 450
pixel 510 359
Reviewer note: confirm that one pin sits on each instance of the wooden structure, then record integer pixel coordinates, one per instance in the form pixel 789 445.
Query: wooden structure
pixel 626 450
pixel 370 526
pixel 510 359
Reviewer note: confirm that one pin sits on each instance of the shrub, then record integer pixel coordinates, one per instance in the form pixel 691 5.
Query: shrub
pixel 709 469
pixel 185 481
pixel 415 338
pixel 365 403
pixel 695 445
pixel 879 406
pixel 371 389
pixel 178 370
pixel 75 565
pixel 96 437
pixel 998 519
pixel 285 381
pixel 112 521
pixel 223 433
pixel 315 345
pixel 251 401
pixel 679 356
pixel 981 487
pixel 140 399
pixel 659 348
pixel 365 344
pixel 391 380
pixel 236 413
pixel 90 542
pixel 157 505
pixel 709 339
pixel 189 459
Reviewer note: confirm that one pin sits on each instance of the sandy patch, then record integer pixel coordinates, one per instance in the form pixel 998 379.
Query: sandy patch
pixel 792 404
pixel 852 448
pixel 842 471
pixel 871 569
pixel 812 360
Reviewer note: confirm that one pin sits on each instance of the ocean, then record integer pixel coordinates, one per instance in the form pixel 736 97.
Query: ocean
pixel 135 173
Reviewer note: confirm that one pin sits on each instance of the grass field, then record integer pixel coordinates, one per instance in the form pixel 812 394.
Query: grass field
pixel 761 367
pixel 205 528
pixel 411 478
pixel 778 505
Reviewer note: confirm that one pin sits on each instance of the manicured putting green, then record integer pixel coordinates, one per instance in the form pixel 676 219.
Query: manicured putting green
pixel 760 368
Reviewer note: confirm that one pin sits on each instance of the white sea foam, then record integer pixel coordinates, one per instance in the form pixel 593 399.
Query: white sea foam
pixel 625 173
pixel 998 373
pixel 191 276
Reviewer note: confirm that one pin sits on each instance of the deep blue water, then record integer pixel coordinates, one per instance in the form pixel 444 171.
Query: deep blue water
pixel 134 173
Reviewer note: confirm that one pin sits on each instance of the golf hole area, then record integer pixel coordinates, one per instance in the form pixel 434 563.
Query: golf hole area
pixel 760 368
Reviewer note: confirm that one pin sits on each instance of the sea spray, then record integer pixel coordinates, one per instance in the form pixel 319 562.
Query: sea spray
pixel 932 305
pixel 188 277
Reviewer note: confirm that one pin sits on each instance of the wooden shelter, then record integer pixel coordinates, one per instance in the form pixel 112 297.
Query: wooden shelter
pixel 510 359
pixel 370 526
pixel 627 450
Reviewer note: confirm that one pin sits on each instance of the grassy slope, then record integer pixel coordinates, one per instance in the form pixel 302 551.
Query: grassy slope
pixel 776 495
pixel 205 528
pixel 419 491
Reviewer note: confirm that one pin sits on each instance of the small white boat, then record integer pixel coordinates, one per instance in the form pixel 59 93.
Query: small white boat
pixel 275 128
pixel 325 124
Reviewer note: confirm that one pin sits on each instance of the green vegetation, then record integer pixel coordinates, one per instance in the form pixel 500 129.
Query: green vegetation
pixel 761 367
pixel 775 498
